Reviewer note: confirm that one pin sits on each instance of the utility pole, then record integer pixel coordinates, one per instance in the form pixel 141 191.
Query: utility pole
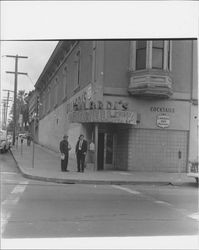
pixel 16 73
pixel 3 113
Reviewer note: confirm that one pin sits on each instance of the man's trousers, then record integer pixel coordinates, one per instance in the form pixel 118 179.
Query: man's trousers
pixel 64 163
pixel 80 162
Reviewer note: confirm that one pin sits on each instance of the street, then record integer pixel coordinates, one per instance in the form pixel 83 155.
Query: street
pixel 34 209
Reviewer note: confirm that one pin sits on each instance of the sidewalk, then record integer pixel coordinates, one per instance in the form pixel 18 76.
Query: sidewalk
pixel 47 168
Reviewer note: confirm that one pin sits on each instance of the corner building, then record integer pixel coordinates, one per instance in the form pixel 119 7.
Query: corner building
pixel 136 100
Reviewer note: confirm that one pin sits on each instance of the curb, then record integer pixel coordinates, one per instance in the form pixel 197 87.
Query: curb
pixel 98 182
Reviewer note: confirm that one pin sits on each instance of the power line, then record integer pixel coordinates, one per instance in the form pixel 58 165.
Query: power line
pixel 30 79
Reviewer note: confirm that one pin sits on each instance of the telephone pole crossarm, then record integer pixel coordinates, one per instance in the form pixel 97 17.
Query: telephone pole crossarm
pixel 8 90
pixel 19 73
pixel 17 56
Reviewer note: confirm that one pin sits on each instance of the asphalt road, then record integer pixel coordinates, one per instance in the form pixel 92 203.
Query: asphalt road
pixel 34 209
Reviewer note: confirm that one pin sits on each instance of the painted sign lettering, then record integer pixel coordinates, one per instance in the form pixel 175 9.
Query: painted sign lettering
pixel 102 116
pixel 163 121
pixel 162 109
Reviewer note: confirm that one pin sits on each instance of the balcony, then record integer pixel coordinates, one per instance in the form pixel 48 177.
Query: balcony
pixel 150 83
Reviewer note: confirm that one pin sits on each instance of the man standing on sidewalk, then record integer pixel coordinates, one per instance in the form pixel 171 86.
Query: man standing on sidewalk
pixel 64 149
pixel 81 149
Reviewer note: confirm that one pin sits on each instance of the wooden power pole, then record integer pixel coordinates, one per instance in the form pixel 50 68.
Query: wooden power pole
pixel 16 73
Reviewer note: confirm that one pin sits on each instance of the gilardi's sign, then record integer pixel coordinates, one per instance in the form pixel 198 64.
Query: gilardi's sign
pixel 103 116
pixel 82 108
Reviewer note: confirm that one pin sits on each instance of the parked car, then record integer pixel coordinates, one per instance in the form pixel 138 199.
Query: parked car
pixel 9 138
pixel 22 136
pixel 5 143
pixel 193 170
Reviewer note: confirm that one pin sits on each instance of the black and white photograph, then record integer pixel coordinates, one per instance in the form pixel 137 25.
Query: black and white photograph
pixel 99 125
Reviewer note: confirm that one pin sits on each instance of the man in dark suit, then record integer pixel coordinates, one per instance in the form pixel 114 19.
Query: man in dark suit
pixel 64 149
pixel 81 150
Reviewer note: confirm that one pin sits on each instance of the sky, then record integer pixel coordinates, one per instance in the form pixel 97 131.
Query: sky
pixel 38 53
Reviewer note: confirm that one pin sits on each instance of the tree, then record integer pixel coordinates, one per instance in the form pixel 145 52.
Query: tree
pixel 21 108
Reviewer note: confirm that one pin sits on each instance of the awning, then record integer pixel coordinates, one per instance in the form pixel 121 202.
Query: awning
pixel 103 116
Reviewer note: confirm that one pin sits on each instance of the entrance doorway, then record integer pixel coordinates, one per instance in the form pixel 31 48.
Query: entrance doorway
pixel 105 154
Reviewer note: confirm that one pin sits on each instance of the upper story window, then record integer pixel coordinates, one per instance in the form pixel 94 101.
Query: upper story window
pixel 77 69
pixel 169 56
pixel 52 95
pixel 41 105
pixel 65 76
pixel 78 66
pixel 56 91
pixel 157 54
pixel 94 62
pixel 153 54
pixel 141 54
pixel 48 100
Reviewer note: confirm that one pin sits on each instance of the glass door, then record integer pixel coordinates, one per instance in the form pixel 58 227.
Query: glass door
pixel 100 153
pixel 105 156
pixel 109 151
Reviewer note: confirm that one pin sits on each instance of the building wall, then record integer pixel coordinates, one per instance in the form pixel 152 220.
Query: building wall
pixel 195 71
pixel 182 65
pixel 148 110
pixel 147 147
pixel 117 58
pixel 116 64
pixel 121 160
pixel 142 147
pixel 193 135
pixel 53 126
pixel 157 150
pixel 63 84
pixel 159 145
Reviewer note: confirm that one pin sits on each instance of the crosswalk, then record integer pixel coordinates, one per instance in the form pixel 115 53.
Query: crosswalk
pixel 8 204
